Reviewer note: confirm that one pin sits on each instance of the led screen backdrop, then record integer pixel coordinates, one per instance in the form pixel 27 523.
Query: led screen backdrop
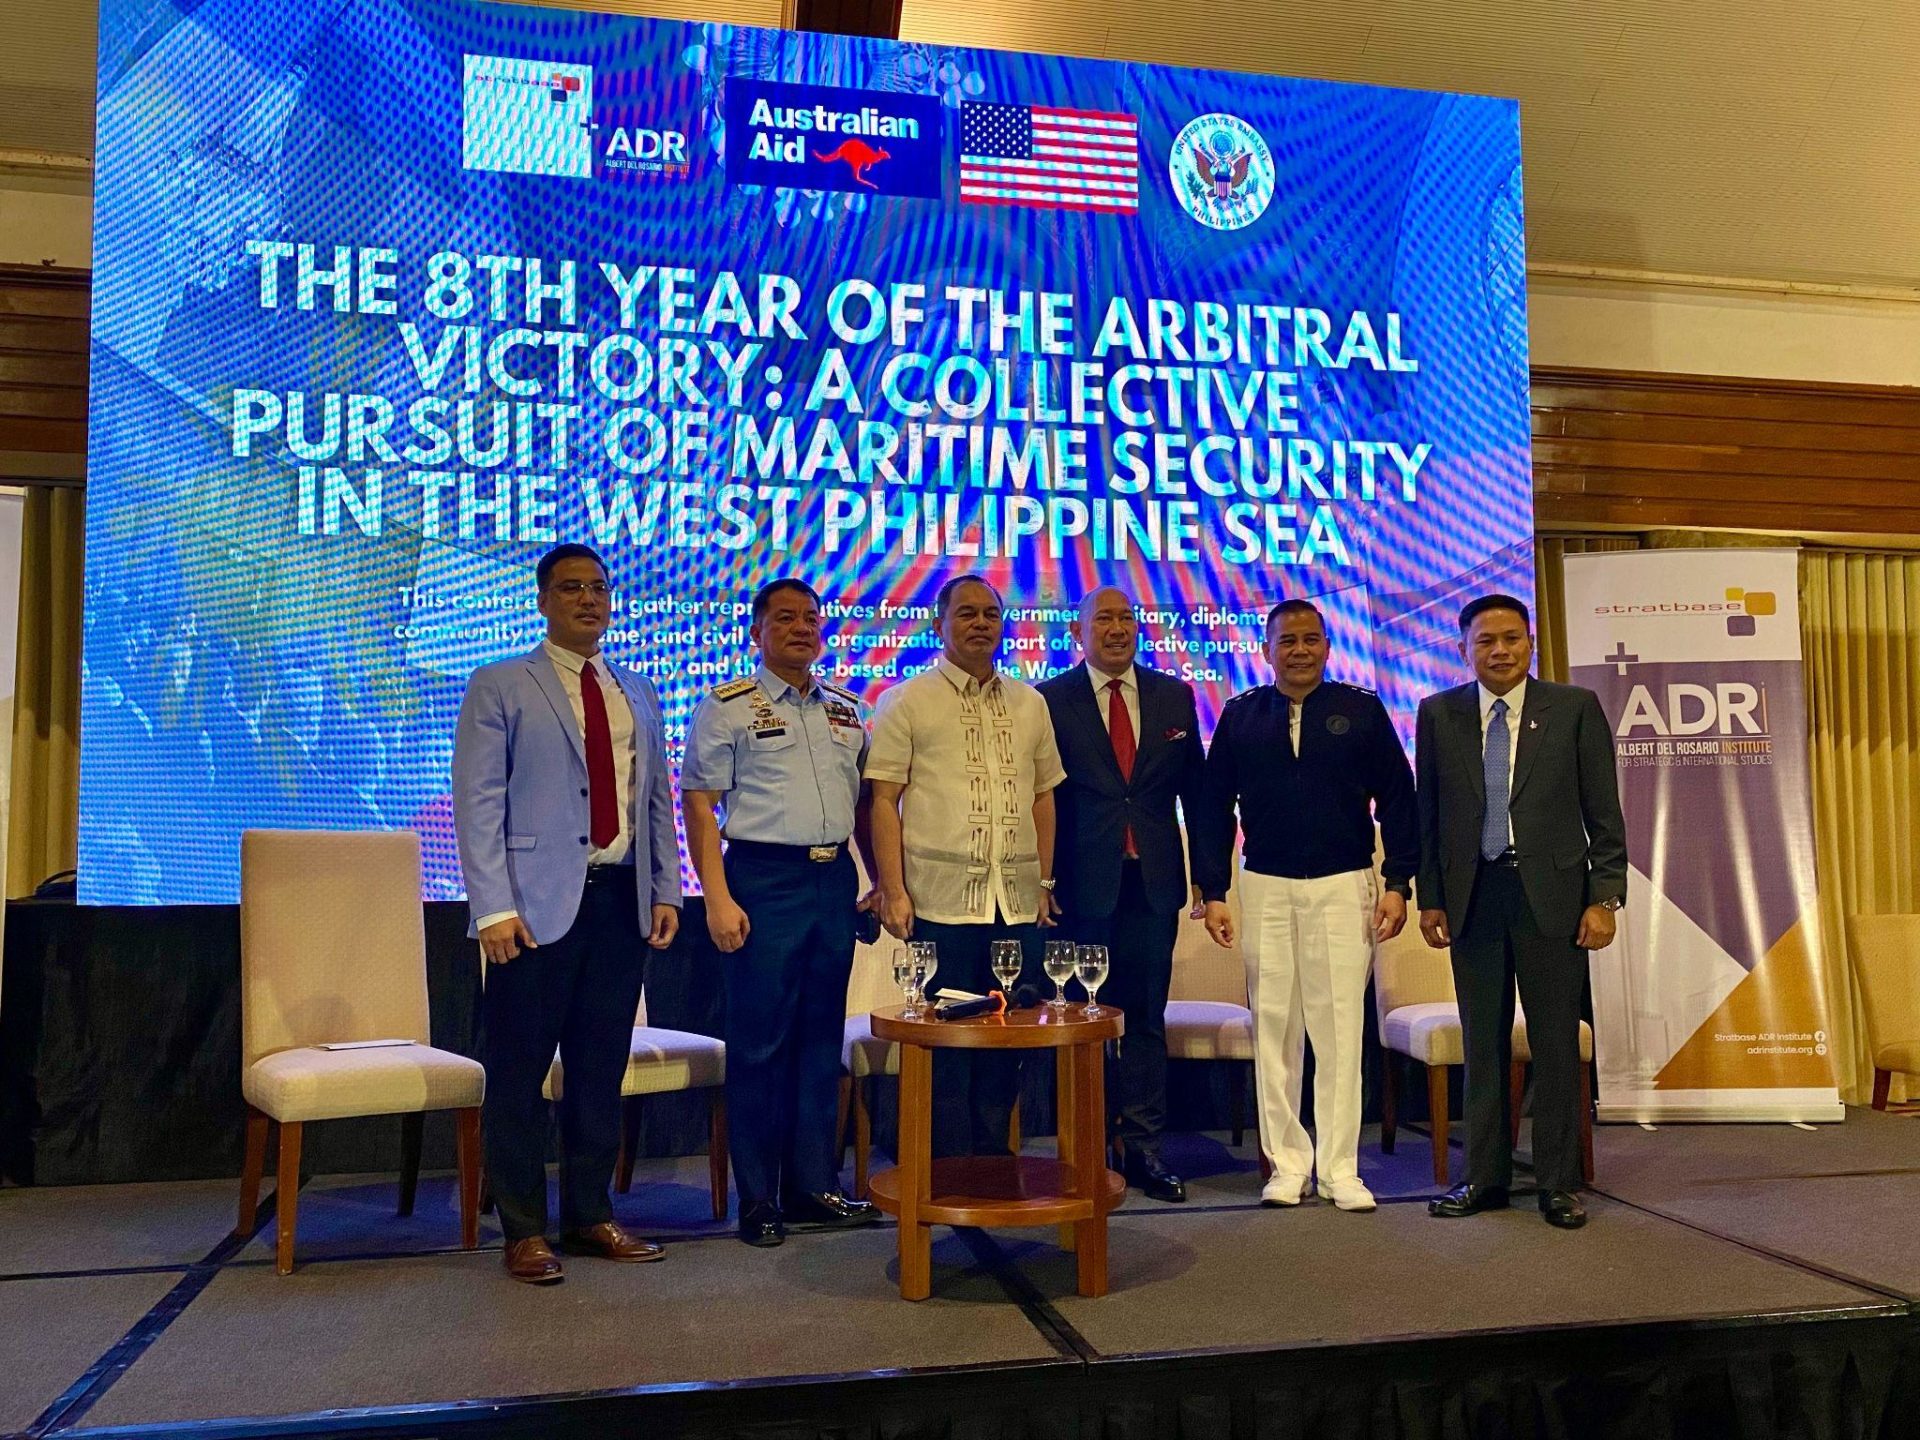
pixel 390 295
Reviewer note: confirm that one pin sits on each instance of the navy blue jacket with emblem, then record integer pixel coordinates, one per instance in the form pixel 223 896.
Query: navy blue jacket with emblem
pixel 1308 816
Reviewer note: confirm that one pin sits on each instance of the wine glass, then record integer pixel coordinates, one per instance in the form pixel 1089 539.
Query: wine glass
pixel 1004 957
pixel 1057 961
pixel 903 976
pixel 925 961
pixel 1090 964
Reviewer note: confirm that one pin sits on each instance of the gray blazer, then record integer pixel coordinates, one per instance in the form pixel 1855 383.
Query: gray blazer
pixel 1564 802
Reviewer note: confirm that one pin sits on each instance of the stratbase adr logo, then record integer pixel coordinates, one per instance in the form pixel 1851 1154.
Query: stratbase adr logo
pixel 825 137
pixel 527 117
pixel 1742 608
pixel 639 150
pixel 1222 171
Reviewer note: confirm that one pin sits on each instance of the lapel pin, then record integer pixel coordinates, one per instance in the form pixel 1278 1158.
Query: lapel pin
pixel 1533 724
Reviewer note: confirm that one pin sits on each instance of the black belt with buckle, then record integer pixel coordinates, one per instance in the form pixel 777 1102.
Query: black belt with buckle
pixel 598 873
pixel 1507 859
pixel 789 854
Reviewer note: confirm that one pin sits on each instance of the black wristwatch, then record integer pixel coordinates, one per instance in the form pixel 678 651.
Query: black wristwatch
pixel 1613 902
pixel 1402 888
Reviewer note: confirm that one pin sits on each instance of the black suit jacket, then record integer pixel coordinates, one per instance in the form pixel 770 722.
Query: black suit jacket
pixel 1564 799
pixel 1094 805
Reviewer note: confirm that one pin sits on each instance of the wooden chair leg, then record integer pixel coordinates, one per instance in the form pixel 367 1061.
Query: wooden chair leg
pixel 1389 1100
pixel 466 1138
pixel 1882 1088
pixel 717 1150
pixel 629 1143
pixel 1586 1122
pixel 248 1218
pixel 411 1130
pixel 286 1194
pixel 1516 1094
pixel 1437 1110
pixel 1237 1100
pixel 862 1134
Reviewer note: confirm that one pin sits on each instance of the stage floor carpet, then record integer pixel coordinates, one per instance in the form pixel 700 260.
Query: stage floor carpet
pixel 1763 1278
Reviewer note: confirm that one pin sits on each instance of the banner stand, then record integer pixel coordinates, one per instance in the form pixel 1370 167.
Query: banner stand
pixel 13 505
pixel 1708 1005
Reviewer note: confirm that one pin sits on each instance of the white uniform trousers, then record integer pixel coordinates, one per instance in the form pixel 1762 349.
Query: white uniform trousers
pixel 1308 946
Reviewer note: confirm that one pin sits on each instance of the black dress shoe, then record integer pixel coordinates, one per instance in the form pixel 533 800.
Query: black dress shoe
pixel 1464 1200
pixel 1155 1181
pixel 1562 1209
pixel 760 1225
pixel 831 1211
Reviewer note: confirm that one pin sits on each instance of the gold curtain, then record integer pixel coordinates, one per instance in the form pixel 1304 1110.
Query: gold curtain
pixel 1549 594
pixel 45 793
pixel 1860 625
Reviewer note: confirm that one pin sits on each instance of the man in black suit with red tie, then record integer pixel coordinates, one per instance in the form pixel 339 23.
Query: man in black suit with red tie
pixel 1130 740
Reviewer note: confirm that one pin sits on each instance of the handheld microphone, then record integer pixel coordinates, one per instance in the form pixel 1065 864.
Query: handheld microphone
pixel 989 1004
pixel 1025 997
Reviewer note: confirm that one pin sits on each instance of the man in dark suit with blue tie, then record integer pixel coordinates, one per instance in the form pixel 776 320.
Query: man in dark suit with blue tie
pixel 1523 868
pixel 1130 740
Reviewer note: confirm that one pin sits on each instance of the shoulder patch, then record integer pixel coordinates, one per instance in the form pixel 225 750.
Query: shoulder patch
pixel 733 689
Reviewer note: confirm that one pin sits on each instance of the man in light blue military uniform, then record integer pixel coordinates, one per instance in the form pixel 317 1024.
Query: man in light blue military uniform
pixel 773 765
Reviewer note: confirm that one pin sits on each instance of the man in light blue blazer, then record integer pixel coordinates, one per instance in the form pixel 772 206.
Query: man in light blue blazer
pixel 564 813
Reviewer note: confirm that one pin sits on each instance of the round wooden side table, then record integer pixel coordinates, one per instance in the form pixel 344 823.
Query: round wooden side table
pixel 1075 1191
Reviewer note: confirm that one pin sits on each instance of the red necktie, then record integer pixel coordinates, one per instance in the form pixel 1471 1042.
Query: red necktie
pixel 1120 728
pixel 604 802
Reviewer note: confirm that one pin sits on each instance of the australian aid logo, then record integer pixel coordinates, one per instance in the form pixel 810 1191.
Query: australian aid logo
pixel 825 137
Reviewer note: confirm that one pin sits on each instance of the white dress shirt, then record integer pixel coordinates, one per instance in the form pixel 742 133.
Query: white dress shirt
pixel 1129 696
pixel 1516 699
pixel 973 758
pixel 570 667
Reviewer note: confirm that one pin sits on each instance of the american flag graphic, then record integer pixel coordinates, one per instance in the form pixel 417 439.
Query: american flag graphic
pixel 1049 158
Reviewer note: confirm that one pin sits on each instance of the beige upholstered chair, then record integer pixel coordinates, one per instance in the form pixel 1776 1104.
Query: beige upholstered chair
pixel 1418 1017
pixel 660 1062
pixel 1207 1014
pixel 332 951
pixel 862 1057
pixel 1886 961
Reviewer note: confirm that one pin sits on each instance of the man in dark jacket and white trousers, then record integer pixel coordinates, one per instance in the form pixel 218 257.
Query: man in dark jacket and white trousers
pixel 1130 740
pixel 1523 868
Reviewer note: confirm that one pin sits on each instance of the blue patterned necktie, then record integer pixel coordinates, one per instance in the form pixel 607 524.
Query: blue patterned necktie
pixel 1495 765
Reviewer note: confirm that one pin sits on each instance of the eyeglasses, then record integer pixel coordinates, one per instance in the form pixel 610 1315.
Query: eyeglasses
pixel 599 589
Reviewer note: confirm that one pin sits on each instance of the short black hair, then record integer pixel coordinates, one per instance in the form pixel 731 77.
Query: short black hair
pixel 1291 607
pixel 1474 609
pixel 763 597
pixel 946 591
pixel 543 572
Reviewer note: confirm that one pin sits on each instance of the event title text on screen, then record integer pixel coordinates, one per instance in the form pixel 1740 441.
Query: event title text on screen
pixel 966 421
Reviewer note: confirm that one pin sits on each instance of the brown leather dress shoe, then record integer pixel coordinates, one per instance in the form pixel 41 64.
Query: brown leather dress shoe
pixel 607 1241
pixel 532 1261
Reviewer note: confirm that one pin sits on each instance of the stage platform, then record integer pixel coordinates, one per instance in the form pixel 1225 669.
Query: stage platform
pixel 1736 1280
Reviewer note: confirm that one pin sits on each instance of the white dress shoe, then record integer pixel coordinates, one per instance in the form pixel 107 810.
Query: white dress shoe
pixel 1284 1190
pixel 1347 1195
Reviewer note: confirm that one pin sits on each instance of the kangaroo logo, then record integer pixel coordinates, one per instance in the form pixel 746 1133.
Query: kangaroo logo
pixel 859 156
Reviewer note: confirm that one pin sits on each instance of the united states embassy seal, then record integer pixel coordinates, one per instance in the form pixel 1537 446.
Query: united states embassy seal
pixel 1222 171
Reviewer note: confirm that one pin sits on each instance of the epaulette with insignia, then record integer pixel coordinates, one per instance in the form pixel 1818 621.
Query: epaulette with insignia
pixel 841 691
pixel 733 689
pixel 1357 689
